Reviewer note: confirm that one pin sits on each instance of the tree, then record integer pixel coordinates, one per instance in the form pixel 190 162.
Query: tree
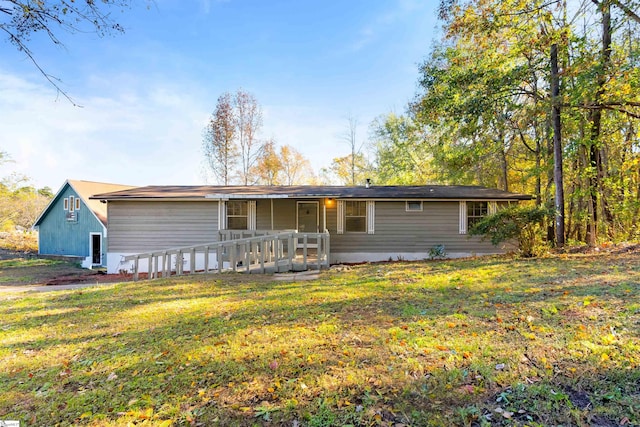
pixel 230 140
pixel 219 140
pixel 296 168
pixel 498 112
pixel 248 116
pixel 268 168
pixel 347 170
pixel 20 19
pixel 401 155
pixel 558 169
pixel 20 202
pixel 286 166
pixel 349 136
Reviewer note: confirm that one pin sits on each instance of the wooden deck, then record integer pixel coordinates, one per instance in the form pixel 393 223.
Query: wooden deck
pixel 249 251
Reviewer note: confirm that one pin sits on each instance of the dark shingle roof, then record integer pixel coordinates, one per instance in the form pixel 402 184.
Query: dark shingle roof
pixel 313 191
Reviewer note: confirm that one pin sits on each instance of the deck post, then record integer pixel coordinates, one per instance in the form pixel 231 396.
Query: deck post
pixel 155 266
pixel 276 252
pixel 206 259
pixel 232 256
pixel 135 268
pixel 263 246
pixel 179 263
pixel 220 258
pixel 247 256
pixel 305 239
pixel 291 250
pixel 163 266
pixel 192 261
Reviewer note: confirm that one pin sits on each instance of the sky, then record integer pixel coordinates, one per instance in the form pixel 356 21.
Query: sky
pixel 143 97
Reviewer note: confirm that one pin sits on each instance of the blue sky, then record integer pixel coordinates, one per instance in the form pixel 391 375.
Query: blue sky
pixel 146 94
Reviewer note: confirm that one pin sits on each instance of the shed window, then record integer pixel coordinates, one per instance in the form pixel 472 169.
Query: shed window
pixel 237 215
pixel 414 206
pixel 65 203
pixel 475 212
pixel 77 204
pixel 355 216
pixel 71 203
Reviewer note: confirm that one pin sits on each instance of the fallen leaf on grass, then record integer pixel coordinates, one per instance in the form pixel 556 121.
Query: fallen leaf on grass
pixel 468 389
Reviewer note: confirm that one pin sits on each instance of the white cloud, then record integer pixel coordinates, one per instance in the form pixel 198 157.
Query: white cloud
pixel 145 135
pixel 137 133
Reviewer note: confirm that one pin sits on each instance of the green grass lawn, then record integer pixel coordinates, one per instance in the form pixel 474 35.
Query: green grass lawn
pixel 492 341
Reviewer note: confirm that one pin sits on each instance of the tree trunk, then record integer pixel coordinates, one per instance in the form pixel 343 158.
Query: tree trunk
pixel 557 148
pixel 596 158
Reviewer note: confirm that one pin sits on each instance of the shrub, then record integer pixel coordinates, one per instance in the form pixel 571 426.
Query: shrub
pixel 20 241
pixel 517 222
pixel 437 252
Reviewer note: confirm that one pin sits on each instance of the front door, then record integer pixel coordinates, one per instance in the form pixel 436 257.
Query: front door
pixel 96 249
pixel 308 218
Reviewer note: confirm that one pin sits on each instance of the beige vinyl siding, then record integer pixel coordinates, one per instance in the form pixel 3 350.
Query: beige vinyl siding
pixel 146 226
pixel 397 230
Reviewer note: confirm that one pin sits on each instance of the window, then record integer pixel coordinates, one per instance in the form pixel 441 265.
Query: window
pixel 65 202
pixel 237 215
pixel 413 206
pixel 71 203
pixel 355 216
pixel 475 212
pixel 77 204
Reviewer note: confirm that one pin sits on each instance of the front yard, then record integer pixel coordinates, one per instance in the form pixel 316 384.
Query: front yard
pixel 493 341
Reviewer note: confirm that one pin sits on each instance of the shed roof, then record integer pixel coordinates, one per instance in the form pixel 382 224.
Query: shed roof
pixel 85 189
pixel 168 192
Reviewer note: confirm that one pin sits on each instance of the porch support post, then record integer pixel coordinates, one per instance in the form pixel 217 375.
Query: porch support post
pixel 271 214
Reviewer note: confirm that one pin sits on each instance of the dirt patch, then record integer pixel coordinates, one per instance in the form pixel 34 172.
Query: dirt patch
pixel 25 268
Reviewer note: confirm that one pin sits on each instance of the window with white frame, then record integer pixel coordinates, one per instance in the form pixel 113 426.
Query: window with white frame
pixel 65 204
pixel 237 215
pixel 473 211
pixel 355 216
pixel 77 203
pixel 413 206
pixel 71 203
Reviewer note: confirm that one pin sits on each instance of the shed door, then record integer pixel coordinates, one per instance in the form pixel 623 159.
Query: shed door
pixel 96 249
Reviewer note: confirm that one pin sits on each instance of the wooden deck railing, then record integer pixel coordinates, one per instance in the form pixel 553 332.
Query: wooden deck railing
pixel 277 252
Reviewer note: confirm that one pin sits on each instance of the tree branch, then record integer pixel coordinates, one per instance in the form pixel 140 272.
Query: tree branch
pixel 627 10
pixel 51 79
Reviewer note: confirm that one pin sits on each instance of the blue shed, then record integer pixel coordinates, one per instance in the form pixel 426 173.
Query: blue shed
pixel 74 225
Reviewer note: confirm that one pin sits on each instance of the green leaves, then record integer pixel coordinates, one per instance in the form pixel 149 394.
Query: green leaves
pixel 516 222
